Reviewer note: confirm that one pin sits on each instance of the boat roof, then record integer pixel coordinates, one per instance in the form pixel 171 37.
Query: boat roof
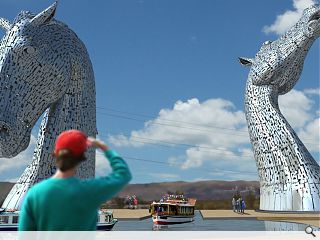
pixel 183 204
pixel 9 213
pixel 180 202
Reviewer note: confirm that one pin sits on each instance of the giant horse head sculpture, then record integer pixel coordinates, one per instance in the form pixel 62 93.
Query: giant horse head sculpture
pixel 289 176
pixel 279 63
pixel 35 62
pixel 44 67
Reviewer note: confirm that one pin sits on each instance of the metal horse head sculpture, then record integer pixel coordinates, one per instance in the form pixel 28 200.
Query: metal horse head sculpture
pixel 44 68
pixel 289 176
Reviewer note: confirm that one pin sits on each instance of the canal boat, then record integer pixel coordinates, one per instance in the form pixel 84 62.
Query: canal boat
pixel 9 220
pixel 173 209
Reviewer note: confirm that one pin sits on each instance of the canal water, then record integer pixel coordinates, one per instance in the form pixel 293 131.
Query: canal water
pixel 209 225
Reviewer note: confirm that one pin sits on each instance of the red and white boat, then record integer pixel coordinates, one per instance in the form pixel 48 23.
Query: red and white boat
pixel 173 209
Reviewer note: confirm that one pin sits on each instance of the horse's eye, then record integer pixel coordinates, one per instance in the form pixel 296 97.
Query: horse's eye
pixel 29 49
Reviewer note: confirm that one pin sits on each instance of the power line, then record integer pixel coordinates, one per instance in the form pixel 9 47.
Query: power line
pixel 167 125
pixel 167 144
pixel 185 127
pixel 178 126
pixel 170 145
pixel 179 165
pixel 170 120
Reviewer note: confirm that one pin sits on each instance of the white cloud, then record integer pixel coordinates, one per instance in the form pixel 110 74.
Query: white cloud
pixel 165 176
pixel 12 180
pixel 214 130
pixel 102 165
pixel 296 106
pixel 286 20
pixel 224 159
pixel 310 135
pixel 312 91
pixel 21 160
pixel 204 124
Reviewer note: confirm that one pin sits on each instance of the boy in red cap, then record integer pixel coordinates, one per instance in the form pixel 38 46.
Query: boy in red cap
pixel 64 202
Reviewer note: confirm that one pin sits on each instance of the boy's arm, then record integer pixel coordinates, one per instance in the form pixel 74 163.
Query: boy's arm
pixel 104 188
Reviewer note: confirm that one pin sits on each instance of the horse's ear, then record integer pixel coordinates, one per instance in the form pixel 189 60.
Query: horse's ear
pixel 5 24
pixel 45 16
pixel 245 61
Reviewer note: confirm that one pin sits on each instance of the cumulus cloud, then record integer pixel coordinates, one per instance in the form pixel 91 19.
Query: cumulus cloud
pixel 9 166
pixel 214 132
pixel 165 176
pixel 310 135
pixel 102 165
pixel 193 122
pixel 286 20
pixel 312 91
pixel 296 106
pixel 226 159
pixel 208 129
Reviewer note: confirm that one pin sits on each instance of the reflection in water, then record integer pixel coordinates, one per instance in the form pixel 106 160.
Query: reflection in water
pixel 210 225
pixel 156 227
pixel 283 226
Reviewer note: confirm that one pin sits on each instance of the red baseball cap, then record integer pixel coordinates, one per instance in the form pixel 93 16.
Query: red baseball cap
pixel 73 140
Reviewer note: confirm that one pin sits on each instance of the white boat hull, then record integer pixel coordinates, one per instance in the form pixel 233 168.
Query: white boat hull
pixel 164 220
pixel 8 223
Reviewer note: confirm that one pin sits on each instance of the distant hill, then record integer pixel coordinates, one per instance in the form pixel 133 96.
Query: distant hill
pixel 203 190
pixel 5 188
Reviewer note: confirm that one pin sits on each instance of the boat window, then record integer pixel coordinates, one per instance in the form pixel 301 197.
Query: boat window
pixel 165 208
pixel 4 219
pixel 15 219
pixel 173 210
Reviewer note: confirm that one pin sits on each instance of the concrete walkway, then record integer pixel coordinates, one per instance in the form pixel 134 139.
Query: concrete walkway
pixel 130 214
pixel 306 218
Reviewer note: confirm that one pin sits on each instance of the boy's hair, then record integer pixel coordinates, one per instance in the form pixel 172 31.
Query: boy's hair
pixel 65 161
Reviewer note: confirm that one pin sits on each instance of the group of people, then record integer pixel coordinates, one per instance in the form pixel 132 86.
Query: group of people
pixel 132 202
pixel 238 205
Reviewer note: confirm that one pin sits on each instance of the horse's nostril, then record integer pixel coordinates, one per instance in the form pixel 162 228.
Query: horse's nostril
pixel 4 129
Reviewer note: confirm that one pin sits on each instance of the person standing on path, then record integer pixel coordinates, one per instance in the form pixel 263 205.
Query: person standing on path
pixel 243 206
pixel 233 204
pixel 64 202
pixel 240 204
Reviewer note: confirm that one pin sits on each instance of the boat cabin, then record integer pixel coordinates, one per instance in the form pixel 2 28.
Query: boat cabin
pixel 171 209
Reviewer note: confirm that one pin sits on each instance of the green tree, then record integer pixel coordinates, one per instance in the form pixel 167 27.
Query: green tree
pixel 119 201
pixel 237 195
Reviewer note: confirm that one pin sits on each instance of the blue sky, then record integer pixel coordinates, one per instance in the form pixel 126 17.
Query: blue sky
pixel 169 88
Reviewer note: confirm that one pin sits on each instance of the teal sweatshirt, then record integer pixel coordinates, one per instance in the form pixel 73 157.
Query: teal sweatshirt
pixel 71 204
